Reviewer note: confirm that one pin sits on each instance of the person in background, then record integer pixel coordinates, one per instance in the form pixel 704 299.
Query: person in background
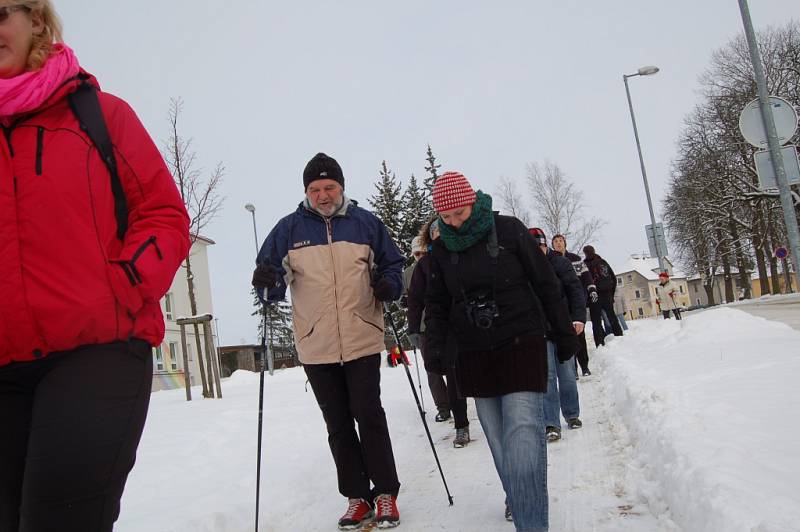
pixel 448 392
pixel 325 252
pixel 606 282
pixel 562 387
pixel 667 293
pixel 559 243
pixel 81 283
pixel 500 297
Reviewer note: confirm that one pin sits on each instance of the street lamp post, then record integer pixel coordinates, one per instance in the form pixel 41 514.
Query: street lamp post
pixel 644 71
pixel 252 210
pixel 270 359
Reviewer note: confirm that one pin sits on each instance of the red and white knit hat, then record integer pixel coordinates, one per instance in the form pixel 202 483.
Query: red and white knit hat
pixel 451 191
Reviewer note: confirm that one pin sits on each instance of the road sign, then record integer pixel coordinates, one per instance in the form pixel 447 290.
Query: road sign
pixel 751 124
pixel 781 253
pixel 766 173
pixel 658 242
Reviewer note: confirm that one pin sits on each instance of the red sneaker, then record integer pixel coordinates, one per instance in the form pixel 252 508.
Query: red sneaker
pixel 386 514
pixel 358 512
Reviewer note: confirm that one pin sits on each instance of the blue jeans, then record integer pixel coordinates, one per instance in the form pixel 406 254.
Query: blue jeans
pixel 623 324
pixel 514 427
pixel 562 389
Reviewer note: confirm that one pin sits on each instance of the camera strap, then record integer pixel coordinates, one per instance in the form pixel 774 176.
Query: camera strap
pixel 493 249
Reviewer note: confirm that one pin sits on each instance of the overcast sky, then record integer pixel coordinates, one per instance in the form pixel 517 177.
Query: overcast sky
pixel 490 85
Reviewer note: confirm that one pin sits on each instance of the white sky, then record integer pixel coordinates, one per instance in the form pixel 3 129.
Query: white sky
pixel 491 86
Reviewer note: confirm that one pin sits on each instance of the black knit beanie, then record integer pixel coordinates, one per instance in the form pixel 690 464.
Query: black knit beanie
pixel 322 167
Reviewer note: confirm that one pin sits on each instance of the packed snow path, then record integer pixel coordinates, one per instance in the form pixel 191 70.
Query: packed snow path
pixel 783 308
pixel 686 422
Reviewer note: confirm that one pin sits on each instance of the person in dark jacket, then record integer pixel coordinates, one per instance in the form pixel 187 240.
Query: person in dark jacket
pixel 79 297
pixel 325 252
pixel 562 387
pixel 416 328
pixel 490 286
pixel 559 245
pixel 606 282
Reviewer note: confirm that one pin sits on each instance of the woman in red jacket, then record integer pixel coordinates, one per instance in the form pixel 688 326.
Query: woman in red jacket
pixel 79 291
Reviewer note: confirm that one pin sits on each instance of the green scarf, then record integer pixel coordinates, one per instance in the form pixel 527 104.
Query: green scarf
pixel 476 227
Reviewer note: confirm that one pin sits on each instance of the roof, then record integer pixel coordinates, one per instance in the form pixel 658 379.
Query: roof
pixel 647 267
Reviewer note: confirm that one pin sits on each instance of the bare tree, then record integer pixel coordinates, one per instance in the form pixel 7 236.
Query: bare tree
pixel 202 200
pixel 558 205
pixel 511 201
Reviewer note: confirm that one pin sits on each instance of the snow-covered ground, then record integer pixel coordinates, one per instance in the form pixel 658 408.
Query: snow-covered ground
pixel 687 426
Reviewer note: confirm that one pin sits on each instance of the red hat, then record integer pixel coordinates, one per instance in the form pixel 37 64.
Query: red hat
pixel 663 274
pixel 538 235
pixel 451 191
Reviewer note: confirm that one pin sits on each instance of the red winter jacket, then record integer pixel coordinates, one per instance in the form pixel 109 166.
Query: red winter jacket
pixel 62 284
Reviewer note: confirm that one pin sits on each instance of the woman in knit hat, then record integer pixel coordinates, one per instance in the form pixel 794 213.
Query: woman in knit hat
pixel 491 287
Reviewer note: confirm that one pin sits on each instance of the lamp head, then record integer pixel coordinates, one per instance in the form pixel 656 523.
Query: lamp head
pixel 647 70
pixel 250 207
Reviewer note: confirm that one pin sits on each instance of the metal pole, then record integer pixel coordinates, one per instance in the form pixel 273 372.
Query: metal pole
pixel 644 172
pixel 270 356
pixel 789 216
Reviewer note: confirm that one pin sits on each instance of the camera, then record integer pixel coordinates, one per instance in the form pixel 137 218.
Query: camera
pixel 481 311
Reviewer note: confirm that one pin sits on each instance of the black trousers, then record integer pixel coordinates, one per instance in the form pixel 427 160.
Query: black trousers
pixel 675 311
pixel 582 356
pixel 604 302
pixel 453 400
pixel 349 393
pixel 71 424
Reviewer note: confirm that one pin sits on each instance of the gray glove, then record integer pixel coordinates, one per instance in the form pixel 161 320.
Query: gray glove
pixel 593 297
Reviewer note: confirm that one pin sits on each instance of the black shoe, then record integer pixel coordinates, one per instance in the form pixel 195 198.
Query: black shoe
pixel 574 423
pixel 509 517
pixel 462 438
pixel 553 434
pixel 586 373
pixel 443 415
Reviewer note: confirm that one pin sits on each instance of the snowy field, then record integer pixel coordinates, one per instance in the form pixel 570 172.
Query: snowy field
pixel 687 426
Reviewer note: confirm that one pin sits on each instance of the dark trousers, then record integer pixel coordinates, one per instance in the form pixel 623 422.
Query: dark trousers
pixel 452 400
pixel 582 355
pixel 604 302
pixel 71 424
pixel 349 393
pixel 675 311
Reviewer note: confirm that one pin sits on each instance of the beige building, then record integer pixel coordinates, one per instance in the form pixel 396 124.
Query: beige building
pixel 168 367
pixel 638 289
pixel 699 297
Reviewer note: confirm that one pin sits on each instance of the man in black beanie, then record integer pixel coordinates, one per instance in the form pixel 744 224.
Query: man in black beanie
pixel 326 252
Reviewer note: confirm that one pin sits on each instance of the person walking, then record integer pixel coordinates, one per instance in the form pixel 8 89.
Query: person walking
pixel 490 287
pixel 83 266
pixel 416 328
pixel 341 266
pixel 562 386
pixel 667 293
pixel 606 282
pixel 559 243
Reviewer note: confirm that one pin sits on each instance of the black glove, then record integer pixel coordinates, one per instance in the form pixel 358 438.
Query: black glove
pixel 566 347
pixel 382 289
pixel 434 362
pixel 265 276
pixel 593 297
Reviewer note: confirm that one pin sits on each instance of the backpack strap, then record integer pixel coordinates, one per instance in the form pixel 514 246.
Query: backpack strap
pixel 86 106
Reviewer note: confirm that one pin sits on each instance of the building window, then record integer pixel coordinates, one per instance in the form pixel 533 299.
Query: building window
pixel 641 312
pixel 655 290
pixel 158 358
pixel 173 356
pixel 698 301
pixel 168 306
pixel 630 278
pixel 638 295
pixel 680 287
pixel 695 288
pixel 619 281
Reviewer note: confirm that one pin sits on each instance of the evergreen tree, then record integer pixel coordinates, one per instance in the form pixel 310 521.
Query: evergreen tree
pixel 280 335
pixel 433 175
pixel 386 205
pixel 415 213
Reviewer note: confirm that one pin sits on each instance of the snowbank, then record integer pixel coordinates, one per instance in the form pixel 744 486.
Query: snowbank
pixel 711 406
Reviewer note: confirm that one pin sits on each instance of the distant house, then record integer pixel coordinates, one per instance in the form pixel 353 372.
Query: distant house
pixel 756 284
pixel 638 288
pixel 699 296
pixel 168 370
pixel 247 357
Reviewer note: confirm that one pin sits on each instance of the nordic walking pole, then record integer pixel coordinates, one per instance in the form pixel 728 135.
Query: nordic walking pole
pixel 419 381
pixel 416 398
pixel 261 408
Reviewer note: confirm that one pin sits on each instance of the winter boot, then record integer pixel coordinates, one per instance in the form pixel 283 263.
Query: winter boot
pixel 509 517
pixel 443 415
pixel 386 513
pixel 462 438
pixel 586 372
pixel 358 512
pixel 553 434
pixel 574 423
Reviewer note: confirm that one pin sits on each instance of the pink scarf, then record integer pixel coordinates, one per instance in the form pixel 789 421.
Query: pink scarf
pixel 28 91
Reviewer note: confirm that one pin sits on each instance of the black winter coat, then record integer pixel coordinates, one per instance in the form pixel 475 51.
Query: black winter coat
pixel 580 269
pixel 604 278
pixel 511 355
pixel 416 295
pixel 575 293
